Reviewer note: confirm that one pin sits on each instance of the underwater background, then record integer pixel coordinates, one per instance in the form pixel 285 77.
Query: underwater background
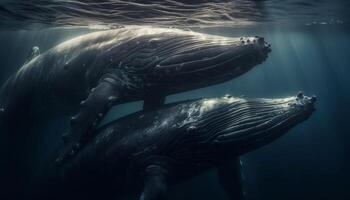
pixel 310 52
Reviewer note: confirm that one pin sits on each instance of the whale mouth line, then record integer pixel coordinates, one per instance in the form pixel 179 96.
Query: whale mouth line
pixel 264 129
pixel 218 61
pixel 253 120
pixel 195 56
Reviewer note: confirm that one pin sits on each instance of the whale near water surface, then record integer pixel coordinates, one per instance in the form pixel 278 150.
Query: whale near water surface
pixel 89 74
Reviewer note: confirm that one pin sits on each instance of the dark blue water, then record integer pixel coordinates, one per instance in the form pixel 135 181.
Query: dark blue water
pixel 311 161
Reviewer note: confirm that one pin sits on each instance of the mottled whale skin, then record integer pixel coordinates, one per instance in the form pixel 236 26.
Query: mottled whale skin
pixel 102 69
pixel 149 150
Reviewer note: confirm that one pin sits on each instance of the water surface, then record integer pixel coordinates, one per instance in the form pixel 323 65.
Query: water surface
pixel 17 14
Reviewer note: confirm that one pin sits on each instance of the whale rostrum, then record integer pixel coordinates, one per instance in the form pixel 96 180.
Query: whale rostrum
pixel 89 74
pixel 149 150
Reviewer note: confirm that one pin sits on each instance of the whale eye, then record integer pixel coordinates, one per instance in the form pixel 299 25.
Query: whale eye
pixel 300 95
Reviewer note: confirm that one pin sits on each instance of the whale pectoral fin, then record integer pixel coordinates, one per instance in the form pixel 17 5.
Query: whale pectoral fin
pixel 230 178
pixel 155 184
pixel 153 102
pixel 92 110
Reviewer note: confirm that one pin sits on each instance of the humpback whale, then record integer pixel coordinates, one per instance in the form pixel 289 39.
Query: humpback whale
pixel 147 151
pixel 89 74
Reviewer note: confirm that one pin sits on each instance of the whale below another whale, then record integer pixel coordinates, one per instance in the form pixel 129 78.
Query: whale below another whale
pixel 147 151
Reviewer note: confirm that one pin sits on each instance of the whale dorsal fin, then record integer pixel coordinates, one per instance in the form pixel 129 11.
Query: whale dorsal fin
pixel 35 51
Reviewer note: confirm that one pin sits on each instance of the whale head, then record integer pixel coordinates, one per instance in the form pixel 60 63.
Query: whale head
pixel 237 125
pixel 176 60
pixel 197 60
